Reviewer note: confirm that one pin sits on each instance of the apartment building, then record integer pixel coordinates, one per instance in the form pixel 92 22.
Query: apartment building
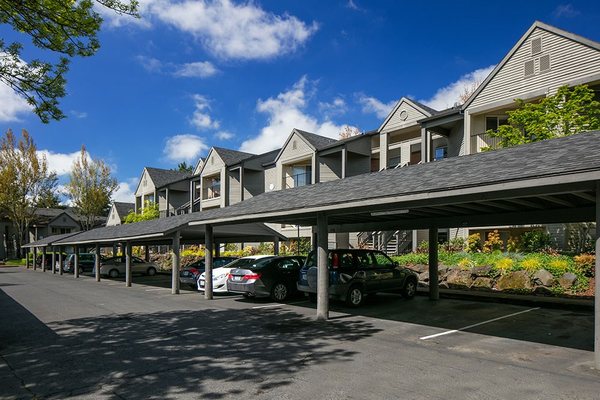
pixel 118 212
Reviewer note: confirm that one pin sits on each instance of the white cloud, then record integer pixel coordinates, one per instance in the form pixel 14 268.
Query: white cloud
pixel 184 148
pixel 224 135
pixel 371 105
pixel 566 10
pixel 199 69
pixel 448 95
pixel 12 105
pixel 352 5
pixel 200 118
pixel 226 29
pixel 126 191
pixel 78 114
pixel 150 64
pixel 287 111
pixel 336 107
pixel 61 163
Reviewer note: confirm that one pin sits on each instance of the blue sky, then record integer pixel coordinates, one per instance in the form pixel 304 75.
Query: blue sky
pixel 192 74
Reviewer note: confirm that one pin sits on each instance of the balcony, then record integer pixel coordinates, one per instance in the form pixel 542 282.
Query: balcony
pixel 297 180
pixel 484 140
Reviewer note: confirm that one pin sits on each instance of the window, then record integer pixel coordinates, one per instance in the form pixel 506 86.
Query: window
pixel 545 63
pixel 382 260
pixel 289 264
pixel 212 188
pixel 494 122
pixel 394 157
pixel 301 175
pixel 536 46
pixel 441 152
pixel 528 68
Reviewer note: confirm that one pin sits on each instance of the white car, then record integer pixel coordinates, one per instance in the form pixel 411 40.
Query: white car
pixel 115 266
pixel 220 274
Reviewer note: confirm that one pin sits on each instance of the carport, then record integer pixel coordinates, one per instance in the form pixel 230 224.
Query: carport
pixel 172 231
pixel 43 244
pixel 554 181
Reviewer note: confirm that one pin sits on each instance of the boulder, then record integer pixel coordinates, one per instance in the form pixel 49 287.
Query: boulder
pixel 443 285
pixel 567 280
pixel 424 277
pixel 543 278
pixel 419 268
pixel 483 270
pixel 457 279
pixel 482 283
pixel 517 281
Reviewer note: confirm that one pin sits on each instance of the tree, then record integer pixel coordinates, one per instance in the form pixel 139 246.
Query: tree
pixel 150 211
pixel 349 131
pixel 48 197
pixel 66 27
pixel 569 111
pixel 184 167
pixel 24 179
pixel 90 188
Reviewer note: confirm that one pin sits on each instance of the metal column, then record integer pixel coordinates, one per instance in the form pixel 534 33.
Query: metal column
pixel 53 259
pixel 276 246
pixel 434 290
pixel 128 264
pixel 322 271
pixel 176 265
pixel 35 258
pixel 44 259
pixel 76 261
pixel 208 262
pixel 60 260
pixel 97 263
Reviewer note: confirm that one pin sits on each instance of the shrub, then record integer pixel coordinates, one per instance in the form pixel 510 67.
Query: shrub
pixel 474 244
pixel 534 241
pixel 465 264
pixel 531 264
pixel 585 264
pixel 504 265
pixel 423 247
pixel 493 242
pixel 513 244
pixel 411 259
pixel 456 244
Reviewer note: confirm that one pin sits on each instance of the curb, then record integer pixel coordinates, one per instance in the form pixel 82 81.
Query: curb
pixel 549 302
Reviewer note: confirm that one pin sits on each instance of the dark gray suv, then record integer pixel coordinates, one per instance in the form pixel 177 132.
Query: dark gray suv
pixel 353 274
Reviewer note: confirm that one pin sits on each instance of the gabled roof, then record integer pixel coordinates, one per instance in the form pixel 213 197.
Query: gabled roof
pixel 507 57
pixel 161 177
pixel 263 159
pixel 123 208
pixel 316 141
pixel 231 157
pixel 425 110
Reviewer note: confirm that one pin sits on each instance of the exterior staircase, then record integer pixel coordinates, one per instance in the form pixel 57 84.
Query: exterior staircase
pixel 390 242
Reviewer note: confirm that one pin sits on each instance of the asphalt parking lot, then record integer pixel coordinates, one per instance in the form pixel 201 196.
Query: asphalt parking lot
pixel 67 338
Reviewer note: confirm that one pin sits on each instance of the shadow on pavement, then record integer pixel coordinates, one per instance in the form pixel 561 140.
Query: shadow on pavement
pixel 211 353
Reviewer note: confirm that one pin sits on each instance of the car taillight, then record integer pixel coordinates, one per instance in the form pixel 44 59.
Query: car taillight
pixel 194 271
pixel 229 277
pixel 248 277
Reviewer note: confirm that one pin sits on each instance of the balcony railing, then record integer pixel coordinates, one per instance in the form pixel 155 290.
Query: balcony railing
pixel 484 140
pixel 211 192
pixel 292 181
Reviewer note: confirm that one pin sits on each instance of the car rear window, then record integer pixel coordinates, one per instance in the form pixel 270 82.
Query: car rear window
pixel 249 262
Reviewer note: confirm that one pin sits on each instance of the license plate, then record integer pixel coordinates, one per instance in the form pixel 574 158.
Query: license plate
pixel 236 278
pixel 303 276
pixel 201 283
pixel 185 273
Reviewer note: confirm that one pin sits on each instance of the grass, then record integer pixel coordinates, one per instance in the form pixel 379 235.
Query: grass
pixel 16 262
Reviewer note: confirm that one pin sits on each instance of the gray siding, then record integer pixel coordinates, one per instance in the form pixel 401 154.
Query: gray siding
pixel 357 164
pixel 254 183
pixel 235 187
pixel 569 61
pixel 330 167
pixel 270 178
pixel 396 122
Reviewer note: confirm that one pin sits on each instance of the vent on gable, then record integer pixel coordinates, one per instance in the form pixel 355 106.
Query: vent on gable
pixel 545 63
pixel 536 46
pixel 212 161
pixel 529 68
pixel 294 145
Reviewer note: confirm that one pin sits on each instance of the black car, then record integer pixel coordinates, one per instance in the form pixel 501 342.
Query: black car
pixel 190 274
pixel 273 277
pixel 86 262
pixel 355 273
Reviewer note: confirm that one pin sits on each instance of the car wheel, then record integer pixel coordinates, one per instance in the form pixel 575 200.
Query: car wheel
pixel 151 271
pixel 410 289
pixel 113 273
pixel 279 292
pixel 355 296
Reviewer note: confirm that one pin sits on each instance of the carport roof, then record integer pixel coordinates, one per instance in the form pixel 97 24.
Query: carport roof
pixel 552 165
pixel 50 240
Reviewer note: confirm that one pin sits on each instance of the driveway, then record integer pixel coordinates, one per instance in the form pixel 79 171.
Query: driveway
pixel 66 338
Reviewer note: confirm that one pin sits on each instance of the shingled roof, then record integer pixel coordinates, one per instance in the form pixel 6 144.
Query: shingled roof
pixel 161 177
pixel 123 208
pixel 317 141
pixel 232 157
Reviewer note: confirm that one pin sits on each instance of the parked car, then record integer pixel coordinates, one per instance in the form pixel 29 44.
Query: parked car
pixel 219 281
pixel 86 262
pixel 353 274
pixel 115 266
pixel 271 277
pixel 38 261
pixel 190 274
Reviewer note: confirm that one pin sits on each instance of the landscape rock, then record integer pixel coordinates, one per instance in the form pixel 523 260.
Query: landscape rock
pixel 458 279
pixel 543 278
pixel 567 280
pixel 424 277
pixel 483 270
pixel 542 291
pixel 482 283
pixel 419 268
pixel 443 285
pixel 515 281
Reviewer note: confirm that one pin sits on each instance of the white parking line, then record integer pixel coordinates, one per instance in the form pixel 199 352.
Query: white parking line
pixel 279 305
pixel 478 324
pixel 155 289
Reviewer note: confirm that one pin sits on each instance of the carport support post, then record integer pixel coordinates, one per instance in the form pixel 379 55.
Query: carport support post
pixel 44 259
pixel 128 264
pixel 276 246
pixel 434 290
pixel 208 262
pixel 97 263
pixel 27 255
pixel 176 265
pixel 35 258
pixel 60 260
pixel 597 289
pixel 53 259
pixel 322 272
pixel 76 261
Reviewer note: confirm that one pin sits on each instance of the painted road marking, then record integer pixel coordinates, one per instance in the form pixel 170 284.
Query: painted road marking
pixel 279 304
pixel 155 289
pixel 478 324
